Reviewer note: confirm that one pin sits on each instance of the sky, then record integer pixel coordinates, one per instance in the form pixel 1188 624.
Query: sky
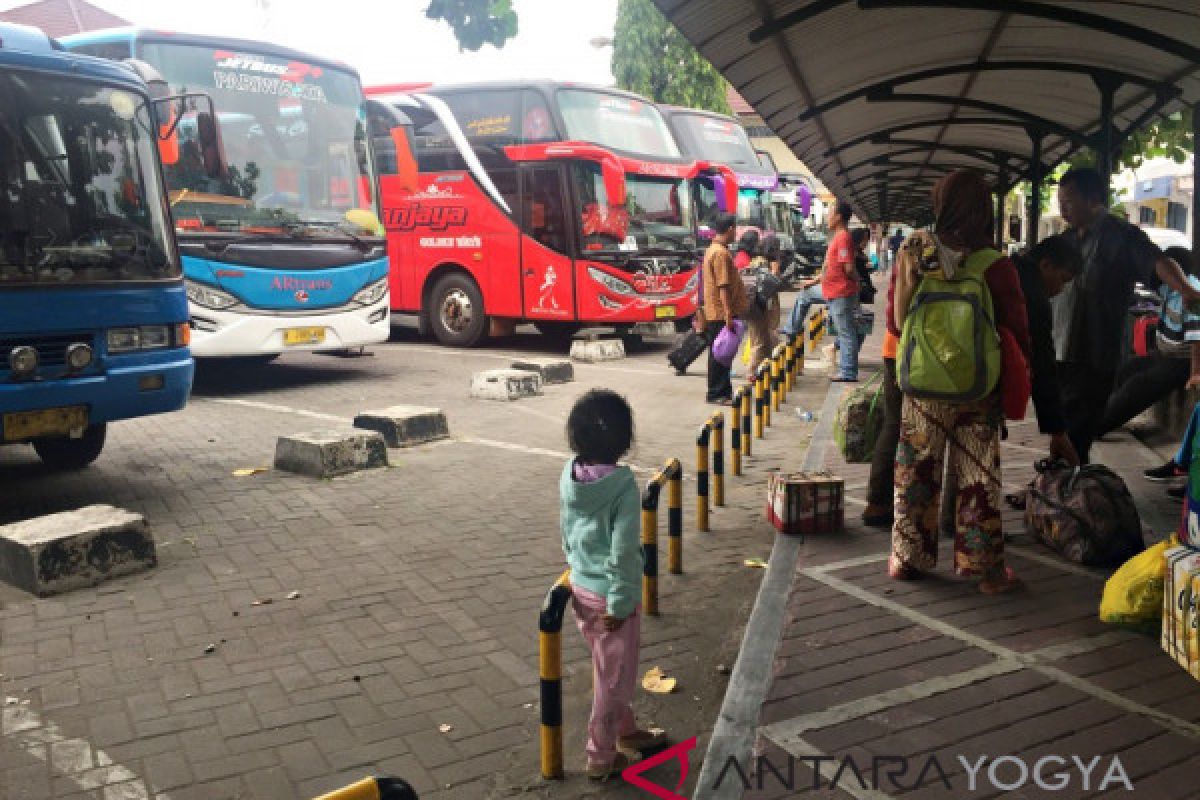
pixel 392 41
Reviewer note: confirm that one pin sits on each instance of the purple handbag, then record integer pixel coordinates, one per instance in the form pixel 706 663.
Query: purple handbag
pixel 725 346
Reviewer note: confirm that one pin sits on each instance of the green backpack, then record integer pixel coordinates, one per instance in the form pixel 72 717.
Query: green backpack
pixel 949 348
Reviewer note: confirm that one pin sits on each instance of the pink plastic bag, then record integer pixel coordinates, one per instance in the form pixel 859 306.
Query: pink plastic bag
pixel 725 346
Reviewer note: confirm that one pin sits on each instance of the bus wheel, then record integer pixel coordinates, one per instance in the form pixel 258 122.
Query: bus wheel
pixel 65 453
pixel 456 311
pixel 558 333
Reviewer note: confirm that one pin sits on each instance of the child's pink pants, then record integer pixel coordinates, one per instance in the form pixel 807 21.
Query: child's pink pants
pixel 614 673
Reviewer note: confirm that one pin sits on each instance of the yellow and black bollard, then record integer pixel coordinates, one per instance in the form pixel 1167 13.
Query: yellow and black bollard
pixel 759 397
pixel 702 476
pixel 672 475
pixel 650 546
pixel 735 432
pixel 789 361
pixel 373 789
pixel 798 356
pixel 776 379
pixel 767 394
pixel 747 412
pixel 674 471
pixel 550 622
pixel 717 424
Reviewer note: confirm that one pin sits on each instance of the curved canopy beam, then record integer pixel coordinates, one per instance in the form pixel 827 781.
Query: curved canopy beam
pixel 993 158
pixel 1030 120
pixel 986 66
pixel 886 160
pixel 881 134
pixel 1055 12
pixel 890 173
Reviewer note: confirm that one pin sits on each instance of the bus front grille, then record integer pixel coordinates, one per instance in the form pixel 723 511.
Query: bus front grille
pixel 51 348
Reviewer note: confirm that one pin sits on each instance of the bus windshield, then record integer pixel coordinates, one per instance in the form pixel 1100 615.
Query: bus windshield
pixel 750 209
pixel 657 213
pixel 616 122
pixel 718 140
pixel 80 200
pixel 294 138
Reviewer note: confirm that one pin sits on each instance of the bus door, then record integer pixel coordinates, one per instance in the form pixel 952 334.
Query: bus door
pixel 547 269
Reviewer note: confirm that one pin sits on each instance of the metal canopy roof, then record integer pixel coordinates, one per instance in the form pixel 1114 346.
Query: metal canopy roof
pixel 881 97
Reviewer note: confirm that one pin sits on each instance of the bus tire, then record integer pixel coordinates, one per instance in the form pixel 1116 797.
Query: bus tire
pixel 65 453
pixel 456 315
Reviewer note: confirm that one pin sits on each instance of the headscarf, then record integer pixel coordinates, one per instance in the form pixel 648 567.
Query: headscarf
pixel 962 208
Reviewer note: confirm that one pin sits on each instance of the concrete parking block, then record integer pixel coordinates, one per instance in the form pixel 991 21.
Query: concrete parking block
pixel 405 426
pixel 551 370
pixel 59 552
pixel 329 453
pixel 505 384
pixel 594 350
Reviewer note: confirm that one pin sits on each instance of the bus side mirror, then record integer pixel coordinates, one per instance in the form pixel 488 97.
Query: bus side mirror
pixel 613 175
pixel 718 185
pixel 390 137
pixel 209 150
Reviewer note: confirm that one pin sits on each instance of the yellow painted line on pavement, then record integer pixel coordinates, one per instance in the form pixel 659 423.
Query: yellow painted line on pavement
pixel 76 760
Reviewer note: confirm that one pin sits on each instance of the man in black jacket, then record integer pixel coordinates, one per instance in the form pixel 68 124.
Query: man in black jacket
pixel 1044 271
pixel 1089 316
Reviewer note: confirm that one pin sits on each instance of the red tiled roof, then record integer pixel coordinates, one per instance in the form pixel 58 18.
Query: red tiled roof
pixel 740 107
pixel 63 17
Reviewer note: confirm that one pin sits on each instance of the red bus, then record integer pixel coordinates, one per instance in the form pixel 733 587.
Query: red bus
pixel 553 203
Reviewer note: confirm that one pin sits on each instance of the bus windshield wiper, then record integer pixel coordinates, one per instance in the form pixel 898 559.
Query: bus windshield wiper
pixel 296 227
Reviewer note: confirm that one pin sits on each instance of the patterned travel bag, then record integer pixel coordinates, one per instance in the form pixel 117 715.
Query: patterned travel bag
pixel 859 418
pixel 1084 513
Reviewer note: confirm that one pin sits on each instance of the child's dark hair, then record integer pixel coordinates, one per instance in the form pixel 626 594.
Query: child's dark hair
pixel 600 427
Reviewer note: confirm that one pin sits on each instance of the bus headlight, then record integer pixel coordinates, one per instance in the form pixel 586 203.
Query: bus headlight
pixel 610 282
pixel 147 337
pixel 79 356
pixel 692 282
pixel 207 296
pixel 22 361
pixel 373 293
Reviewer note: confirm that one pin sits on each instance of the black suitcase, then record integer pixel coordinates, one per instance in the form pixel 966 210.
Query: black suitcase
pixel 692 347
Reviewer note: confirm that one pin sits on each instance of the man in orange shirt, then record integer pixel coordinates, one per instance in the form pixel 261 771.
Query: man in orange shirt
pixel 724 300
pixel 839 285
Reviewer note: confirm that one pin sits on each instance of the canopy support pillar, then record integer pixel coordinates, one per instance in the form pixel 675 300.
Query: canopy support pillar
pixel 1106 141
pixel 1195 183
pixel 1034 212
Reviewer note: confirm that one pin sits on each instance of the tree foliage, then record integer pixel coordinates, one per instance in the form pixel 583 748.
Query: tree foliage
pixel 476 22
pixel 651 57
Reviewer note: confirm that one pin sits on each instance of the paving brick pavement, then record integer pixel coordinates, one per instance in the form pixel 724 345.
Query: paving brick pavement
pixel 418 590
pixel 867 668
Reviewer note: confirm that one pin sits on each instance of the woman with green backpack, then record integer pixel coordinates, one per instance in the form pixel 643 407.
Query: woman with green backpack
pixel 954 297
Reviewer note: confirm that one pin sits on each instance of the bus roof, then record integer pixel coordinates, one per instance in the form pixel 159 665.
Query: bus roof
pixel 749 174
pixel 204 40
pixel 546 86
pixel 23 46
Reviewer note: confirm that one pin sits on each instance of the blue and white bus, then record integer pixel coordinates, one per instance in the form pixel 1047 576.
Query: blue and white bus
pixel 282 245
pixel 93 315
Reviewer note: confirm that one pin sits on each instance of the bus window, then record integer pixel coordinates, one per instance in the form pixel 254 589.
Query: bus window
pixel 114 51
pixel 545 212
pixel 536 123
pixel 505 180
pixel 491 116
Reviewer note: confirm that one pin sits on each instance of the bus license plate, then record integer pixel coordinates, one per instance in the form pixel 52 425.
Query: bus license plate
pixel 664 312
pixel 294 336
pixel 21 426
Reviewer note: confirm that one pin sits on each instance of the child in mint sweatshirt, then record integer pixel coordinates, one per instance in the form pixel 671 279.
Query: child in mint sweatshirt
pixel 600 510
